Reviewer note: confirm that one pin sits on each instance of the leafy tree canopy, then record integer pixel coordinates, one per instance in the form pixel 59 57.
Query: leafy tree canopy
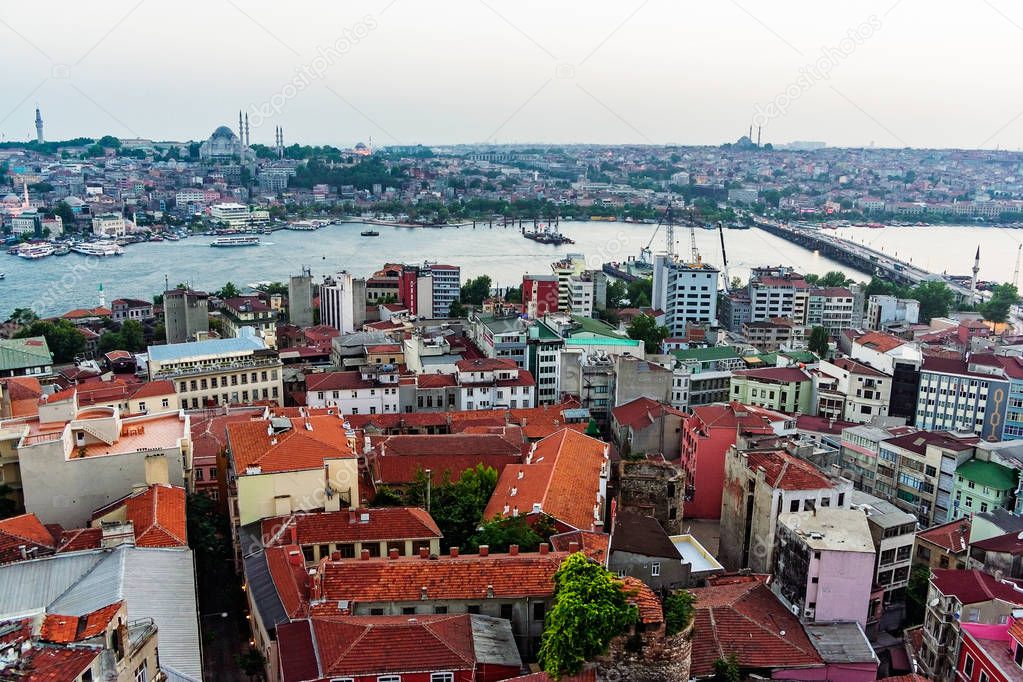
pixel 644 328
pixel 63 338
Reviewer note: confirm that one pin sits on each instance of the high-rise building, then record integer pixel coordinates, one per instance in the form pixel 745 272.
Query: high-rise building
pixel 186 314
pixel 300 299
pixel 343 302
pixel 446 287
pixel 540 294
pixel 39 126
pixel 686 292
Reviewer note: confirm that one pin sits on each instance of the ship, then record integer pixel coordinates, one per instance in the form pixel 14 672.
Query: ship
pixel 35 251
pixel 235 241
pixel 62 250
pixel 545 234
pixel 100 249
pixel 369 233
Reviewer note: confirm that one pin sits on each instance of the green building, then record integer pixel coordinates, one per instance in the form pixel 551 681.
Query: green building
pixel 981 486
pixel 783 389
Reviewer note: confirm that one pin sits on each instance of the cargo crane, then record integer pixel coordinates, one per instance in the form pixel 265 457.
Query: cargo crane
pixel 724 256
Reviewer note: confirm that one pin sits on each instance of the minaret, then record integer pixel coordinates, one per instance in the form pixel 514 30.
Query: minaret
pixel 25 203
pixel 247 140
pixel 39 126
pixel 973 282
pixel 241 135
pixel 102 297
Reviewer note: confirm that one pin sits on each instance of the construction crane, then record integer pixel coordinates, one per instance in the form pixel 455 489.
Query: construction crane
pixel 694 215
pixel 724 255
pixel 1015 273
pixel 645 254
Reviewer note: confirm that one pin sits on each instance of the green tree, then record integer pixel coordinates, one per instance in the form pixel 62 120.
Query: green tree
pixel 132 336
pixel 832 278
pixel 679 608
pixel 513 295
pixel 457 506
pixel 593 429
pixel 935 298
pixel 818 341
pixel 276 288
pixel 63 338
pixel 617 293
pixel 23 316
pixel 1003 297
pixel 229 290
pixel 644 328
pixel 727 669
pixel 499 534
pixel 590 608
pixel 916 594
pixel 640 292
pixel 457 309
pixel 109 141
pixel 66 215
pixel 252 663
pixel 109 341
pixel 476 290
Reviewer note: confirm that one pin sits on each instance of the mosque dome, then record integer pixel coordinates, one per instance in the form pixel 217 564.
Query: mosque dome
pixel 223 132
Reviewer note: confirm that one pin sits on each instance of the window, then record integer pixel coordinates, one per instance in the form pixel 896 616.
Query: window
pixel 983 676
pixel 440 610
pixel 389 678
pixel 473 608
pixel 794 506
pixel 655 569
pixel 142 673
pixel 213 473
pixel 376 612
pixel 442 677
pixel 539 611
pixel 408 610
pixel 968 666
pixel 198 474
pixel 506 611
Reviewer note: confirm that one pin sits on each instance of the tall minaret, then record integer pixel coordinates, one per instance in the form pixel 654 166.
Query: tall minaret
pixel 247 140
pixel 973 282
pixel 39 126
pixel 241 135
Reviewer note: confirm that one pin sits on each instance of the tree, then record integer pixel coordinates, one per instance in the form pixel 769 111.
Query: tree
pixel 832 278
pixel 499 534
pixel 727 669
pixel 735 284
pixel 457 309
pixel 935 299
pixel 640 291
pixel 476 290
pixel 617 293
pixel 251 662
pixel 276 288
pixel 819 341
pixel 109 141
pixel 23 316
pixel 63 338
pixel 916 594
pixel 457 506
pixel 678 611
pixel 513 295
pixel 590 609
pixel 67 216
pixel 592 429
pixel 644 328
pixel 229 290
pixel 1003 297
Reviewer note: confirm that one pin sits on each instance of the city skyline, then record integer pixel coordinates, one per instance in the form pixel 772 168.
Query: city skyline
pixel 637 73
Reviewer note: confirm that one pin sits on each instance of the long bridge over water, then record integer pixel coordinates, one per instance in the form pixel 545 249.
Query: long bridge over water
pixel 860 257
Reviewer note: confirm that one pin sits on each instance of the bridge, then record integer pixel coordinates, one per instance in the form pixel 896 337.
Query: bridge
pixel 867 260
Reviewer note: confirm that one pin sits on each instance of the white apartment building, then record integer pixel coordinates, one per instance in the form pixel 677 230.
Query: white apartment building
pixel 488 383
pixel 686 292
pixel 884 310
pixel 239 216
pixel 190 196
pixel 834 308
pixel 777 292
pixel 372 389
pixel 850 391
pixel 343 302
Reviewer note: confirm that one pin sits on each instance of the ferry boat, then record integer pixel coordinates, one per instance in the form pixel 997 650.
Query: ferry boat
pixel 35 251
pixel 314 224
pixel 235 241
pixel 171 237
pixel 369 233
pixel 100 249
pixel 62 250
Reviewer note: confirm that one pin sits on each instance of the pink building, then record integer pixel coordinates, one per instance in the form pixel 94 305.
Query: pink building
pixel 991 653
pixel 824 564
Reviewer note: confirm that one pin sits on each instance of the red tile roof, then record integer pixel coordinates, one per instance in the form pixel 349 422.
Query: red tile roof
pixel 879 341
pixel 399 458
pixel 158 515
pixel 23 394
pixel 25 530
pixel 56 664
pixel 79 539
pixel 65 629
pixel 743 617
pixel 786 472
pixel 562 476
pixel 287 569
pixel 641 412
pixel 953 536
pixel 296 449
pixel 367 645
pixel 644 599
pixel 736 415
pixel 337 381
pixel 384 523
pixel 592 544
pixel 973 586
pixel 850 365
pixel 463 577
pixel 485 365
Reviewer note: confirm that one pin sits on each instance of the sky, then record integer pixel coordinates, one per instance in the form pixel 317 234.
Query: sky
pixel 889 73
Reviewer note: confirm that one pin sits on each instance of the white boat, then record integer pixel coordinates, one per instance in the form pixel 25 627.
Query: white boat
pixel 98 249
pixel 35 251
pixel 2 275
pixel 235 241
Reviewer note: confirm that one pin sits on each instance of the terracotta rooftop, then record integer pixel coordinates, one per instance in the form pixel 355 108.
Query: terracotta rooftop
pixel 642 412
pixel 158 516
pixel 879 341
pixel 399 458
pixel 973 586
pixel 56 664
pixel 287 569
pixel 500 576
pixel 23 531
pixel 356 525
pixel 254 444
pixel 953 536
pixel 787 472
pixel 561 478
pixel 65 629
pixel 743 617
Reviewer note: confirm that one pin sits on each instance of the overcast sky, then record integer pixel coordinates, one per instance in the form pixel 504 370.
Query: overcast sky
pixel 921 73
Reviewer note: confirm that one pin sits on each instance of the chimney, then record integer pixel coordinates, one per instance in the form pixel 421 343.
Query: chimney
pixel 573 547
pixel 157 470
pixel 295 557
pixel 424 552
pixel 365 555
pixel 422 592
pixel 484 550
pixel 513 550
pixel 454 552
pixel 545 549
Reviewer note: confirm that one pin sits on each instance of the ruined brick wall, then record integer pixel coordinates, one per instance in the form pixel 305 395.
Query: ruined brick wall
pixel 653 488
pixel 648 656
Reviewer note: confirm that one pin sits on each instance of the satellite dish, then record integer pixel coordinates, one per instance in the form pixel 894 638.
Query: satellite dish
pixel 934 602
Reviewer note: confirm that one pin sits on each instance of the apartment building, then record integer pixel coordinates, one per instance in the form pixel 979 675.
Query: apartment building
pixel 916 471
pixel 957 395
pixel 774 334
pixel 372 389
pixel 252 313
pixel 783 389
pixel 849 391
pixel 219 371
pixel 686 292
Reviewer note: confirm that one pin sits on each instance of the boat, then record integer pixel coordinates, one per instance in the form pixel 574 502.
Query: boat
pixel 2 275
pixel 235 241
pixel 62 250
pixel 370 233
pixel 156 238
pixel 171 237
pixel 35 251
pixel 547 234
pixel 99 249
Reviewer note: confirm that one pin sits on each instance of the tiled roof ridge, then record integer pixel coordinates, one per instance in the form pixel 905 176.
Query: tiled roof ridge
pixel 428 626
pixel 21 536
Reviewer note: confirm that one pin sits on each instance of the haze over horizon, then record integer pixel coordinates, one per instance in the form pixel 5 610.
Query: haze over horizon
pixel 889 73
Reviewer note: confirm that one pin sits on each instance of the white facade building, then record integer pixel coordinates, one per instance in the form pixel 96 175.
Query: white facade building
pixel 109 225
pixel 373 389
pixel 341 306
pixel 686 292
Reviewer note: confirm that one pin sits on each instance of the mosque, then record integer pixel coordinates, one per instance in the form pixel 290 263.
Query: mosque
pixel 225 145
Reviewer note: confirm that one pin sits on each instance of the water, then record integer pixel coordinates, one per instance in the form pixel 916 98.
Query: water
pixel 56 284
